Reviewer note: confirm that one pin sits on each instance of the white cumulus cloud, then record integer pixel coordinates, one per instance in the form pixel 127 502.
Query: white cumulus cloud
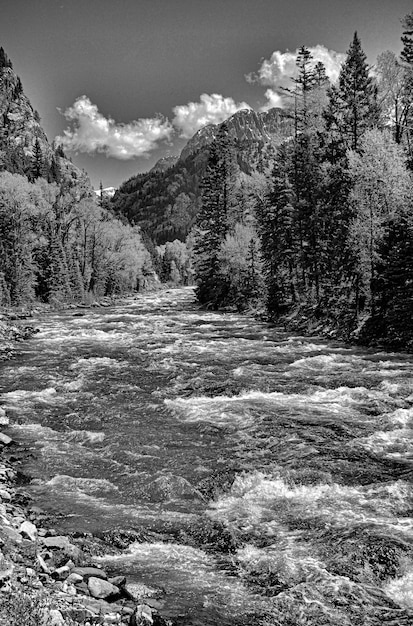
pixel 211 109
pixel 274 99
pixel 91 132
pixel 277 71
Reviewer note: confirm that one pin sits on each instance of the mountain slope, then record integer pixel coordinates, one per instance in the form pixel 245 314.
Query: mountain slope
pixel 164 202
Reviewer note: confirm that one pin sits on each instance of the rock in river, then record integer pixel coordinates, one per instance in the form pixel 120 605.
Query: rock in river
pixel 101 589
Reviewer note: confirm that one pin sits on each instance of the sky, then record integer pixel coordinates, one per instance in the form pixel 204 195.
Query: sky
pixel 123 82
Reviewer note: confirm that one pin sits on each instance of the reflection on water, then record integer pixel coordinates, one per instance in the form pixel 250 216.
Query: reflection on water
pixel 292 457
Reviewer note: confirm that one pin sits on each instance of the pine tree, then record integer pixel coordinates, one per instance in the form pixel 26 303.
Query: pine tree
pixel 212 219
pixel 406 54
pixel 277 230
pixel 38 165
pixel 352 107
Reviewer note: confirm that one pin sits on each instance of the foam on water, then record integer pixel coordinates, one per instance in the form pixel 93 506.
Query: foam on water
pixel 96 362
pixel 401 589
pixel 90 486
pixel 180 567
pixel 235 409
pixel 257 501
pixel 328 362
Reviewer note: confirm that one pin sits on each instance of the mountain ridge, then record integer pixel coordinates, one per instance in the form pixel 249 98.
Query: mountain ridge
pixel 164 201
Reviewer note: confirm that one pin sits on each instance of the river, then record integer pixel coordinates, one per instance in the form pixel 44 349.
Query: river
pixel 270 475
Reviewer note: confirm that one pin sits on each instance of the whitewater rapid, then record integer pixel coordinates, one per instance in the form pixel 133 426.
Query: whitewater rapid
pixel 273 473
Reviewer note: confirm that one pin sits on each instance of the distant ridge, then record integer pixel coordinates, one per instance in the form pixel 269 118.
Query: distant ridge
pixel 164 201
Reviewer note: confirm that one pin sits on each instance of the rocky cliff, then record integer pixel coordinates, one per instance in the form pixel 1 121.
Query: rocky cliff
pixel 22 138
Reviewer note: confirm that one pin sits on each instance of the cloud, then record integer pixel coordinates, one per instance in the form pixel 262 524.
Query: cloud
pixel 211 109
pixel 277 71
pixel 91 132
pixel 274 99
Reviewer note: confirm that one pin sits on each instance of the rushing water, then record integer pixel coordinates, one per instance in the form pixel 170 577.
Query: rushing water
pixel 271 474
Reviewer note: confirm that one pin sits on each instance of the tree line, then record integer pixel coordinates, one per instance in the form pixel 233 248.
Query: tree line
pixel 58 243
pixel 327 233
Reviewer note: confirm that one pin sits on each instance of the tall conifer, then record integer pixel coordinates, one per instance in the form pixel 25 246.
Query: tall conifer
pixel 212 219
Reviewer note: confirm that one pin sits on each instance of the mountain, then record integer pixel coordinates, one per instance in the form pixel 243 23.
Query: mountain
pixel 164 163
pixel 164 201
pixel 24 147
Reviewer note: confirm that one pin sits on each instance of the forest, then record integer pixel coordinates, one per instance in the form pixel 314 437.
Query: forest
pixel 58 242
pixel 324 237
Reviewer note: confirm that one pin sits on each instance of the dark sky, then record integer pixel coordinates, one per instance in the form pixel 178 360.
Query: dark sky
pixel 134 59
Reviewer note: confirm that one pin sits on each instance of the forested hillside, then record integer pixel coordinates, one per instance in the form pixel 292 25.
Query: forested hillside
pixel 57 243
pixel 327 240
pixel 165 201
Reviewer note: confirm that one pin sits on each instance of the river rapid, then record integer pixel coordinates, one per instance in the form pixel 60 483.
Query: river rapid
pixel 270 475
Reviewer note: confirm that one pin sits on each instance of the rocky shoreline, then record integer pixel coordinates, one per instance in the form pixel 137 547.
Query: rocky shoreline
pixel 53 578
pixel 48 579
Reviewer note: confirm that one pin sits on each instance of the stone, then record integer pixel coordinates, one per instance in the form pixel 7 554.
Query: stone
pixel 87 572
pixel 118 581
pixel 101 589
pixel 75 578
pixel 142 616
pixel 28 529
pixel 82 588
pixel 97 607
pixel 69 589
pixel 30 572
pixel 55 618
pixel 5 496
pixel 5 440
pixel 4 420
pixel 61 573
pixel 11 534
pixel 138 591
pixel 62 543
pixel 6 571
pixel 112 618
pixel 42 563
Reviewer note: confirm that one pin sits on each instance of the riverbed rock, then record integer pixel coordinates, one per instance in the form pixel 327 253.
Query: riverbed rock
pixel 10 534
pixel 142 616
pixel 29 530
pixel 87 572
pixel 62 549
pixel 169 487
pixel 118 581
pixel 101 589
pixel 61 573
pixel 5 495
pixel 55 618
pixel 5 440
pixel 42 564
pixel 4 420
pixel 74 578
pixel 82 588
pixel 138 591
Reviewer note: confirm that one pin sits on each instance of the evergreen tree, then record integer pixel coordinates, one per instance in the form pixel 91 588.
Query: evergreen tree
pixel 4 60
pixel 275 215
pixel 212 220
pixel 406 54
pixel 38 166
pixel 352 107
